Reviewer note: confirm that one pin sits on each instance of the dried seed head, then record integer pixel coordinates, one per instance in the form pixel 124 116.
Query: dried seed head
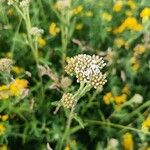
pixel 5 64
pixel 88 69
pixel 35 31
pixel 67 100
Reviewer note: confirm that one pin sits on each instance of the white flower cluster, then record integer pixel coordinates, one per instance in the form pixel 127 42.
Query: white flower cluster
pixel 35 31
pixel 5 65
pixel 67 100
pixel 24 3
pixel 88 69
pixel 10 2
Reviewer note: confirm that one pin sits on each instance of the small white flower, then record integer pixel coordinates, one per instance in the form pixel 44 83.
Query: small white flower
pixel 24 3
pixel 10 2
pixel 113 143
pixel 36 31
pixel 137 98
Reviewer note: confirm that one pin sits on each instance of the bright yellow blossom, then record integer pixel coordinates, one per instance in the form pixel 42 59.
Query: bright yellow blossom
pixel 129 23
pixel 120 99
pixel 41 42
pixel 145 12
pixel 107 98
pixel 77 10
pixel 146 124
pixel 53 29
pixel 127 141
pixel 18 86
pixel 117 6
pixel 106 16
pixel 2 129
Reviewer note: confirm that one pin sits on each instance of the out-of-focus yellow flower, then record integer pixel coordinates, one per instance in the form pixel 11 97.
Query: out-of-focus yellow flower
pixel 79 26
pixel 4 92
pixel 119 42
pixel 17 69
pixel 134 63
pixel 120 99
pixel 89 13
pixel 146 124
pixel 129 23
pixel 10 11
pixel 145 12
pixel 41 42
pixel 117 6
pixel 67 148
pixel 139 49
pixel 4 117
pixel 131 4
pixel 106 16
pixel 3 147
pixel 9 55
pixel 53 29
pixel 77 10
pixel 128 13
pixel 125 89
pixel 107 98
pixel 18 86
pixel 127 141
pixel 2 129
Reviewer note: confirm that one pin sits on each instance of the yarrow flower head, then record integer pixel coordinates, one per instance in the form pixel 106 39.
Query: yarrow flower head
pixel 5 64
pixel 24 3
pixel 35 31
pixel 67 100
pixel 87 69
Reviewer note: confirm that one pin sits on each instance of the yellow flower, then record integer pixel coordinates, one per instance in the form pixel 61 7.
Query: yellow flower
pixel 120 99
pixel 132 24
pixel 145 12
pixel 18 86
pixel 129 23
pixel 10 11
pixel 53 29
pixel 125 89
pixel 4 117
pixel 128 13
pixel 146 124
pixel 17 69
pixel 4 92
pixel 3 147
pixel 139 49
pixel 67 148
pixel 106 16
pixel 79 26
pixel 107 98
pixel 127 141
pixel 131 4
pixel 2 129
pixel 117 6
pixel 41 42
pixel 134 63
pixel 77 10
pixel 89 13
pixel 119 42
